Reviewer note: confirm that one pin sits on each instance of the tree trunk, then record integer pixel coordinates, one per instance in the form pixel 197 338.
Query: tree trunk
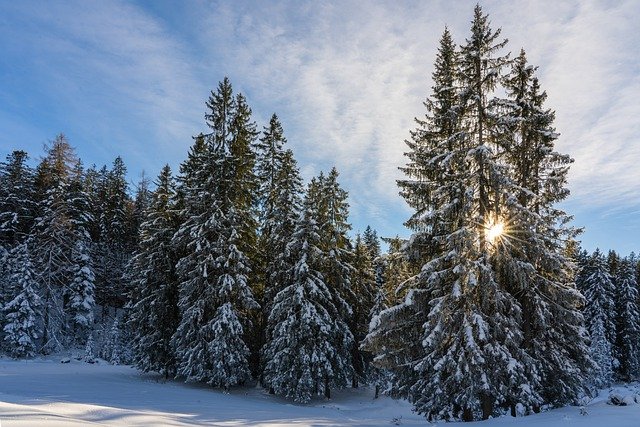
pixel 327 390
pixel 467 414
pixel 487 406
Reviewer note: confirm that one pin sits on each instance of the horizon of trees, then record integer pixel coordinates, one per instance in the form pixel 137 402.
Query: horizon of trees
pixel 234 270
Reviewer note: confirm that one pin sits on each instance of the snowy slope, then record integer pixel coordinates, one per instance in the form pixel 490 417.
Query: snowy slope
pixel 45 392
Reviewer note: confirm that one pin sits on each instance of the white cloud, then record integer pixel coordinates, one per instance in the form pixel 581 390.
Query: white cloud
pixel 349 78
pixel 346 78
pixel 115 78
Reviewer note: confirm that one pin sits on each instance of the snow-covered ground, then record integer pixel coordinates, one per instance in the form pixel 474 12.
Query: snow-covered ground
pixel 46 392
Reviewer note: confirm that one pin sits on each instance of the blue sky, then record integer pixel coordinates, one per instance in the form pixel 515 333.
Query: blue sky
pixel 346 79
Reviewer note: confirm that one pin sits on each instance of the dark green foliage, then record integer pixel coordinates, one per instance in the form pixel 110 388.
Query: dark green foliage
pixel 154 314
pixel 17 204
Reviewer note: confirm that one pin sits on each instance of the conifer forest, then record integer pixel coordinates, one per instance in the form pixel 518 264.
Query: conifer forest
pixel 232 271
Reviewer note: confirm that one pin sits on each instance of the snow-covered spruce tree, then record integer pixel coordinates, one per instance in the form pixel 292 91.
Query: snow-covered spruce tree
pixel 114 248
pixel 307 351
pixel 80 293
pixel 472 364
pixel 441 191
pixel 600 351
pixel 380 378
pixel 363 286
pixel 394 345
pixel 332 215
pixel 278 226
pixel 16 199
pixel 154 312
pixel 194 243
pixel 279 198
pixel 227 348
pixel 599 313
pixel 474 359
pixel 533 261
pixel 53 239
pixel 218 231
pixel 22 314
pixel 628 322
pixel 237 244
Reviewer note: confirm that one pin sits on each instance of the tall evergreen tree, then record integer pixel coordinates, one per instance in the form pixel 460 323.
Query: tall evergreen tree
pixel 494 302
pixel 470 361
pixel 194 244
pixel 280 212
pixel 534 254
pixel 154 313
pixel 22 314
pixel 115 244
pixel 54 237
pixel 628 322
pixel 332 217
pixel 218 232
pixel 80 293
pixel 80 290
pixel 269 167
pixel 305 354
pixel 363 286
pixel 600 318
pixel 16 198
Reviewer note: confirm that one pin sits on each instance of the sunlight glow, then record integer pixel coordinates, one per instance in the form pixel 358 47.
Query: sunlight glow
pixel 494 231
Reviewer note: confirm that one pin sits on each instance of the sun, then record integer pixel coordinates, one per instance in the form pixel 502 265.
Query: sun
pixel 494 231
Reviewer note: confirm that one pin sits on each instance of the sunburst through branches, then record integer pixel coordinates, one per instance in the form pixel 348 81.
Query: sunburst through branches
pixel 494 230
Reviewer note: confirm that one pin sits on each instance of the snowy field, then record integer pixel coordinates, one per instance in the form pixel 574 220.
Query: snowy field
pixel 48 393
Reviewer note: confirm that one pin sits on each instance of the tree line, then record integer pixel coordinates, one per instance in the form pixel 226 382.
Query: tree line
pixel 230 271
pixel 233 270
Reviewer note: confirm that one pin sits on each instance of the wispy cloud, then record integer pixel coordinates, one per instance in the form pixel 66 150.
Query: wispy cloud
pixel 346 78
pixel 594 85
pixel 349 78
pixel 110 75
